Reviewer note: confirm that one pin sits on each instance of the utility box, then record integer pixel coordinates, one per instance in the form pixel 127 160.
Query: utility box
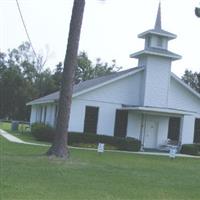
pixel 14 126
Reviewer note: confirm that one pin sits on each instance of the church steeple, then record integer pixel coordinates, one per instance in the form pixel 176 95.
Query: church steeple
pixel 158 19
pixel 156 40
pixel 156 61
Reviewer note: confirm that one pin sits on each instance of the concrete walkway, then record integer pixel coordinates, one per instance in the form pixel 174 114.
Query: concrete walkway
pixel 14 139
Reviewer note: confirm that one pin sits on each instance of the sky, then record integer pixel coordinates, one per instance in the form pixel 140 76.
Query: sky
pixel 109 29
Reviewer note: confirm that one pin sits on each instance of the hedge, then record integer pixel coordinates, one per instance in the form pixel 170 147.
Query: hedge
pixel 128 144
pixel 198 146
pixel 191 149
pixel 44 132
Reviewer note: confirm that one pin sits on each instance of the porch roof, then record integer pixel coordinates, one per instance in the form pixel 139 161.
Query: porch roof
pixel 157 110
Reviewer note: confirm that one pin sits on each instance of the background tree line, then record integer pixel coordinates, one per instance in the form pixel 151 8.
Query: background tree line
pixel 23 78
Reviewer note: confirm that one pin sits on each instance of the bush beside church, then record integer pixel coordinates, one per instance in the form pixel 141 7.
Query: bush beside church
pixel 43 132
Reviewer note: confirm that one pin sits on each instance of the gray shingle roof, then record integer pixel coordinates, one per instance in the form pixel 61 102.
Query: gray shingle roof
pixel 83 86
pixel 159 32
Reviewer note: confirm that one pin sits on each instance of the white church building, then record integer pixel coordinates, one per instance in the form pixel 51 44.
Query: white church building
pixel 147 102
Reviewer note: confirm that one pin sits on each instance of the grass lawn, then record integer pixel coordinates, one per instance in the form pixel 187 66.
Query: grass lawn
pixel 26 174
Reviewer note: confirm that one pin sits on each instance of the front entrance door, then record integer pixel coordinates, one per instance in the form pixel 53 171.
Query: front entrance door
pixel 150 136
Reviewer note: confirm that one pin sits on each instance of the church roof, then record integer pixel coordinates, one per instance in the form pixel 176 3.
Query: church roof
pixel 160 32
pixel 51 98
pixel 156 52
pixel 85 85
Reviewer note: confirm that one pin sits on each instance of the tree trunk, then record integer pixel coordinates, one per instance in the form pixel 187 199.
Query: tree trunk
pixel 59 147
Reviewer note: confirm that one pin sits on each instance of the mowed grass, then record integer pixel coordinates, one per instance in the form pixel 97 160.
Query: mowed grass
pixel 26 174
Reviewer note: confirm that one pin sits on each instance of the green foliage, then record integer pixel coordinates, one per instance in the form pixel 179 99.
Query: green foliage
pixel 198 146
pixel 23 78
pixel 191 149
pixel 192 79
pixel 43 132
pixel 45 84
pixel 57 75
pixel 86 70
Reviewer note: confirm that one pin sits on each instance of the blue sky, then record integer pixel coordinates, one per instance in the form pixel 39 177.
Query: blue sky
pixel 109 31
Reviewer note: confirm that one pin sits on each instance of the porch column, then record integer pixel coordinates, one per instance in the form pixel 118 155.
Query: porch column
pixel 187 132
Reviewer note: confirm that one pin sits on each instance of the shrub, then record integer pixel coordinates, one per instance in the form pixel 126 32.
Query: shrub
pixel 127 144
pixel 42 132
pixel 191 149
pixel 198 146
pixel 74 137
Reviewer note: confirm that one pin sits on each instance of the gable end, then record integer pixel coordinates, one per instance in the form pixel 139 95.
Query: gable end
pixel 187 87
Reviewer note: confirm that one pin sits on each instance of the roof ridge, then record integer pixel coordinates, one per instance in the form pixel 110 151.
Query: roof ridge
pixel 106 75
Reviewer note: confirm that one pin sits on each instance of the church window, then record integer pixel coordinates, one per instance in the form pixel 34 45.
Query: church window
pixel 148 41
pixel 91 119
pixel 159 42
pixel 121 121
